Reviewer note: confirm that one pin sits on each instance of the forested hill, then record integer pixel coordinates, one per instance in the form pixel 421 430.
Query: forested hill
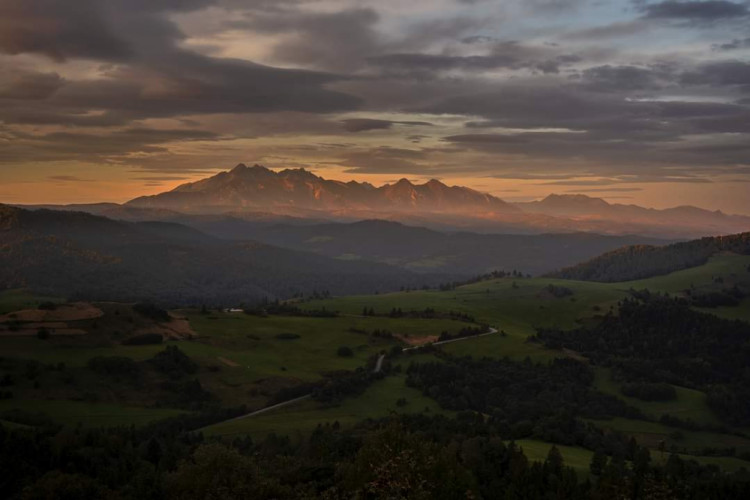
pixel 79 255
pixel 643 261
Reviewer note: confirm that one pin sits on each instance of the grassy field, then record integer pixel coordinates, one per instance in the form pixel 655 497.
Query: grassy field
pixel 580 458
pixel 727 464
pixel 243 359
pixel 89 414
pixel 379 400
pixel 651 434
pixel 14 300
pixel 575 457
pixel 689 404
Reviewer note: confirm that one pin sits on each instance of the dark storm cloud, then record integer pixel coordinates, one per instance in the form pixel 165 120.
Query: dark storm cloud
pixel 721 73
pixel 80 29
pixel 365 124
pixel 621 78
pixel 159 78
pixel 609 31
pixel 29 85
pixel 138 66
pixel 710 10
pixel 58 146
pixel 607 128
pixel 59 30
pixel 336 40
pixel 510 55
pixel 383 160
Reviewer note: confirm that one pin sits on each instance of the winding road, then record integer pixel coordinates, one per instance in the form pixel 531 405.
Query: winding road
pixel 377 369
pixel 492 330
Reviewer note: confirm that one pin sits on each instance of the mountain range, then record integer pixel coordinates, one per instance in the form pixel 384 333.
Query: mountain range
pixel 260 188
pixel 79 255
pixel 260 193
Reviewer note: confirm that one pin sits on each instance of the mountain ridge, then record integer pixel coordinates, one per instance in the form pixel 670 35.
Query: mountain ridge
pixel 299 196
pixel 645 261
pixel 258 186
pixel 80 255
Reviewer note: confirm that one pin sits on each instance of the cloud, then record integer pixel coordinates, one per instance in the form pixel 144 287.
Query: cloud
pixel 703 10
pixel 365 124
pixel 59 30
pixel 510 55
pixel 68 178
pixel 30 85
pixel 720 73
pixel 736 44
pixel 157 78
pixel 609 31
pixel 181 85
pixel 59 146
pixel 605 190
pixel 621 78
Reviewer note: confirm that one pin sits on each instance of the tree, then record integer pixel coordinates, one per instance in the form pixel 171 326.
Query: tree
pixel 598 463
pixel 216 472
pixel 345 351
pixel 554 462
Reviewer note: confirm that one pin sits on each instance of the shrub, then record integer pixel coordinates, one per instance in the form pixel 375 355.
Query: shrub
pixel 345 351
pixel 113 366
pixel 287 336
pixel 47 306
pixel 174 362
pixel 151 311
pixel 649 392
pixel 144 339
pixel 42 333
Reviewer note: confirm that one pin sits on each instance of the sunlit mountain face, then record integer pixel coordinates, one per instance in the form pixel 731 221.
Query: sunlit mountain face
pixel 636 102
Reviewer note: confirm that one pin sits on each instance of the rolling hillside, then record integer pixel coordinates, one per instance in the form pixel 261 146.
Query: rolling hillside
pixel 80 255
pixel 643 261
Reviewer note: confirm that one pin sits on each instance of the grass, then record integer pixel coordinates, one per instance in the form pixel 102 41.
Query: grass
pixel 249 357
pixel 379 400
pixel 580 458
pixel 651 434
pixel 727 464
pixel 689 404
pixel 575 457
pixel 72 413
pixel 741 311
pixel 513 345
pixel 17 299
pixel 725 265
pixel 252 341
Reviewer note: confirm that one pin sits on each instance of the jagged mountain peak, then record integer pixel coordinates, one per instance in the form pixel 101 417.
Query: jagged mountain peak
pixel 573 198
pixel 258 187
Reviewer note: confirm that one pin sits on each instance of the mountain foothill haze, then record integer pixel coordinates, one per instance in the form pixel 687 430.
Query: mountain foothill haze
pixel 300 193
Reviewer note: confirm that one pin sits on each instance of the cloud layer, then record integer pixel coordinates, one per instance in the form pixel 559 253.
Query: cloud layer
pixel 657 91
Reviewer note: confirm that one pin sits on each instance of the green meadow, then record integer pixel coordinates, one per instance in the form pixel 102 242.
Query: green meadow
pixel 244 359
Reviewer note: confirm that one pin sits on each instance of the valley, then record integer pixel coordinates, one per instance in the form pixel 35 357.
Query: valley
pixel 255 359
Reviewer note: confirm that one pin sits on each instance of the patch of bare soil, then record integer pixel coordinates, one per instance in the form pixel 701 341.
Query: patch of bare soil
pixel 25 332
pixel 64 312
pixel 227 362
pixel 575 355
pixel 175 329
pixel 414 341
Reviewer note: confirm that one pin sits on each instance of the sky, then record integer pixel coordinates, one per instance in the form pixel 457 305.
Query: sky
pixel 634 101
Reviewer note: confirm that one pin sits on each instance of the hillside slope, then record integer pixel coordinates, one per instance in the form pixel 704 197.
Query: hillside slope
pixel 643 261
pixel 461 253
pixel 81 255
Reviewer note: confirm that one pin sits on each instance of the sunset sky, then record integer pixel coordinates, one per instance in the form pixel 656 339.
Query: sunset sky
pixel 634 101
